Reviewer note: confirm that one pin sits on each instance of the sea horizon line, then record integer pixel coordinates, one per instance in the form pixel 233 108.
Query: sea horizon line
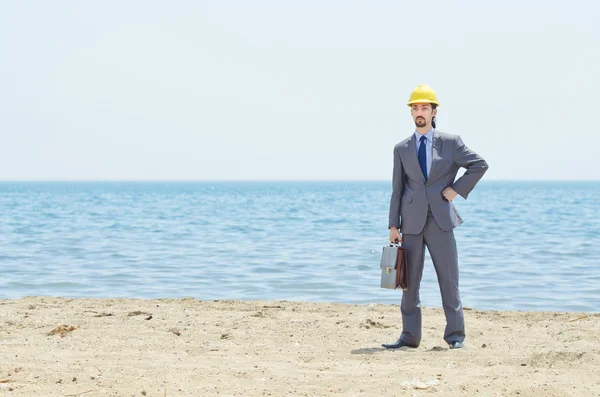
pixel 5 181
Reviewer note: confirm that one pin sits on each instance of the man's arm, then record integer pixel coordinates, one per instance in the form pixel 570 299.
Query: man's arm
pixel 397 190
pixel 475 165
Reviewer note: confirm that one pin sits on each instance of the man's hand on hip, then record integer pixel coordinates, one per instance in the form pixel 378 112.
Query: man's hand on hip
pixel 449 194
pixel 395 236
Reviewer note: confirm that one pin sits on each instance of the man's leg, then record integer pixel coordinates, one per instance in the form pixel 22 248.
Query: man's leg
pixel 442 248
pixel 411 303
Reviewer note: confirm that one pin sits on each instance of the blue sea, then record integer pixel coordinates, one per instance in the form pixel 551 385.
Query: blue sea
pixel 523 245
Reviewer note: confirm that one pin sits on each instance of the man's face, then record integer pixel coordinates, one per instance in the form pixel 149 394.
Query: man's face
pixel 422 114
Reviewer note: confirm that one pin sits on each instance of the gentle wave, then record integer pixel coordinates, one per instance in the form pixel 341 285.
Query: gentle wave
pixel 523 246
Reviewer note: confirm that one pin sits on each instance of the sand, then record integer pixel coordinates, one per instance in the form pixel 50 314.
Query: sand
pixel 185 347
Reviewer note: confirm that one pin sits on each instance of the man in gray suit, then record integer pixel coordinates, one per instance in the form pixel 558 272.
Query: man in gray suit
pixel 425 168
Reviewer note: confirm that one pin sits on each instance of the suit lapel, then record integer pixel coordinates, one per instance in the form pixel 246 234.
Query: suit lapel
pixel 411 156
pixel 437 148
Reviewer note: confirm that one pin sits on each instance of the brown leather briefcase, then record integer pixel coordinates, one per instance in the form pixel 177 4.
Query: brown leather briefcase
pixel 393 266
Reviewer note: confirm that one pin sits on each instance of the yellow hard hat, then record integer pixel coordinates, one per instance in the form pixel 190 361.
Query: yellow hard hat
pixel 422 94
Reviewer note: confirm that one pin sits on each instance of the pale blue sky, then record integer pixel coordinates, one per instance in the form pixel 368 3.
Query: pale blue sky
pixel 210 90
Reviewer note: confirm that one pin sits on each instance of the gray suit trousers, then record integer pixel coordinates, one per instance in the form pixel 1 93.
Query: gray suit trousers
pixel 442 248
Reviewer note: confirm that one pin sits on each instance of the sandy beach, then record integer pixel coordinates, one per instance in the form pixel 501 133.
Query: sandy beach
pixel 185 347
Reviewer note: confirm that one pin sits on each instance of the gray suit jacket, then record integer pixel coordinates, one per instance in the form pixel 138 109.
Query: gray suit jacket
pixel 411 195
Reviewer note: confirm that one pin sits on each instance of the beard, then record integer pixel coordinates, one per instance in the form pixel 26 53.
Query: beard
pixel 420 122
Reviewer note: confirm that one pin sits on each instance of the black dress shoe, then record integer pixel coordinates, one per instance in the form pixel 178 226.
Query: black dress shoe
pixel 399 343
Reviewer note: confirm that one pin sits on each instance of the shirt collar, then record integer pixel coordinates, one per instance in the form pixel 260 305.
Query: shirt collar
pixel 428 135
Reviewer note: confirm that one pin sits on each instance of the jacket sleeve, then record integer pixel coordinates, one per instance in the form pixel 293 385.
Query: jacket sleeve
pixel 476 166
pixel 397 190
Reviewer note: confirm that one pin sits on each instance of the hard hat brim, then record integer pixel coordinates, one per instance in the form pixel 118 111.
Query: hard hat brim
pixel 422 101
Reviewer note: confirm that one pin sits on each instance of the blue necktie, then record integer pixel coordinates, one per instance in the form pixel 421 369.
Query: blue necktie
pixel 423 156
